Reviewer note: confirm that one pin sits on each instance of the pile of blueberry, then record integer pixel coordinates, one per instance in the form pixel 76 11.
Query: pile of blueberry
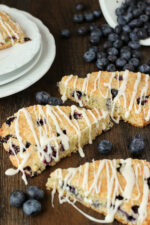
pixel 136 146
pixel 44 98
pixel 120 51
pixel 29 201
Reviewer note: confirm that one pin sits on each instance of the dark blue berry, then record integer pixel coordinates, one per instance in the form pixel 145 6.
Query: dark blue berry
pixel 105 147
pixel 136 54
pixel 94 39
pixel 93 26
pixel 125 48
pixel 112 51
pixel 111 68
pixel 80 6
pixel 97 13
pixel 78 18
pixel 106 29
pixel 17 198
pixel 134 44
pixel 113 37
pixel 144 18
pixel 126 28
pixel 124 37
pixel 137 12
pixel 129 67
pixel 137 145
pixel 126 54
pixel 112 58
pixel 101 55
pixel 128 17
pixel 35 192
pixel 89 17
pixel 103 62
pixel 121 62
pixel 107 44
pixel 118 44
pixel 42 97
pixel 89 56
pixel 118 29
pixel 99 64
pixel 134 61
pixel 32 207
pixel 144 68
pixel 54 101
pixel 97 32
pixel 82 30
pixel 119 11
pixel 93 48
pixel 121 21
pixel 147 10
pixel 65 33
pixel 142 33
pixel 134 36
pixel 141 5
pixel 135 23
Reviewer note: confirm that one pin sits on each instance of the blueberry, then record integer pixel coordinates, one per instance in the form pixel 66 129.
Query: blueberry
pixel 129 67
pixel 135 23
pixel 78 18
pixel 124 37
pixel 128 17
pixel 137 145
pixel 17 198
pixel 103 62
pixel 97 14
pixel 54 101
pixel 112 58
pixel 82 30
pixel 121 62
pixel 126 28
pixel 101 55
pixel 111 68
pixel 94 39
pixel 144 68
pixel 125 48
pixel 121 21
pixel 137 12
pixel 142 33
pixel 118 43
pixel 118 29
pixel 106 29
pixel 136 54
pixel 89 56
pixel 113 51
pixel 99 65
pixel 113 37
pixel 65 33
pixel 105 147
pixel 80 6
pixel 107 44
pixel 126 54
pixel 32 207
pixel 93 48
pixel 147 10
pixel 42 97
pixel 97 32
pixel 89 17
pixel 133 36
pixel 134 61
pixel 35 192
pixel 119 11
pixel 93 26
pixel 141 5
pixel 144 18
pixel 134 44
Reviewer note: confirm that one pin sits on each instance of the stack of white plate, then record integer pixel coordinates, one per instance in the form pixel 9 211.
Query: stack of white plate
pixel 24 64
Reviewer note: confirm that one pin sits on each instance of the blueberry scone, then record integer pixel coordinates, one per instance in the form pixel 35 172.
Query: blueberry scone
pixel 119 189
pixel 10 31
pixel 125 95
pixel 38 136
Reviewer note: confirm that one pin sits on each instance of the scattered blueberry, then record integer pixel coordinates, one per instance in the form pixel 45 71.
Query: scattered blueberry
pixel 111 68
pixel 144 68
pixel 124 37
pixel 118 43
pixel 134 36
pixel 118 29
pixel 144 18
pixel 112 58
pixel 129 67
pixel 101 55
pixel 121 21
pixel 97 14
pixel 105 147
pixel 126 54
pixel 32 207
pixel 113 51
pixel 17 198
pixel 134 61
pixel 82 30
pixel 97 32
pixel 107 44
pixel 94 39
pixel 106 29
pixel 93 26
pixel 93 48
pixel 121 62
pixel 65 33
pixel 35 192
pixel 102 62
pixel 113 37
pixel 89 56
pixel 136 54
pixel 80 6
pixel 78 18
pixel 42 97
pixel 89 17
pixel 137 145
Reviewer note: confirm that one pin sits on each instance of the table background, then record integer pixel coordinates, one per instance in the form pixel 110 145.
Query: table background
pixel 57 14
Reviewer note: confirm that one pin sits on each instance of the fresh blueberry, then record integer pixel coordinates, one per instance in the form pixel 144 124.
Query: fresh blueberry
pixel 80 6
pixel 97 32
pixel 119 11
pixel 42 97
pixel 107 44
pixel 103 62
pixel 125 48
pixel 94 39
pixel 93 48
pixel 35 192
pixel 136 54
pixel 111 68
pixel 17 198
pixel 99 64
pixel 124 37
pixel 113 51
pixel 135 23
pixel 142 33
pixel 82 30
pixel 32 207
pixel 93 26
pixel 144 69
pixel 118 44
pixel 78 18
pixel 106 29
pixel 121 21
pixel 89 56
pixel 128 17
pixel 137 145
pixel 89 17
pixel 118 29
pixel 147 10
pixel 65 33
pixel 126 54
pixel 134 45
pixel 144 18
pixel 134 61
pixel 101 55
pixel 147 28
pixel 133 36
pixel 126 28
pixel 105 147
pixel 137 12
pixel 141 5
pixel 129 67
pixel 113 37
pixel 121 62
pixel 97 14
pixel 112 58
pixel 54 101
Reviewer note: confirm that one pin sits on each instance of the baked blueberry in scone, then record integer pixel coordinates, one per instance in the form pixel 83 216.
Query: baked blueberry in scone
pixel 10 31
pixel 119 189
pixel 39 136
pixel 125 95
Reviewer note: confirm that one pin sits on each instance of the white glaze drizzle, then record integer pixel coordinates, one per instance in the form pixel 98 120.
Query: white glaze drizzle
pixel 113 186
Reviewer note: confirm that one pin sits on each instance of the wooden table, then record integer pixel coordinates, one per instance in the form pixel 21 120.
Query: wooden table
pixel 57 14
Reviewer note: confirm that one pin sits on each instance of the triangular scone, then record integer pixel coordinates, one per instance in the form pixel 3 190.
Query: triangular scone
pixel 38 136
pixel 10 32
pixel 119 189
pixel 126 95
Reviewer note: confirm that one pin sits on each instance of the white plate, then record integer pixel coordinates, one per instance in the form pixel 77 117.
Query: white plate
pixel 23 70
pixel 45 62
pixel 17 56
pixel 108 8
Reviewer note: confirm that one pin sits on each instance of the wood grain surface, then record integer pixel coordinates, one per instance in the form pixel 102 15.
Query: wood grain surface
pixel 57 14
